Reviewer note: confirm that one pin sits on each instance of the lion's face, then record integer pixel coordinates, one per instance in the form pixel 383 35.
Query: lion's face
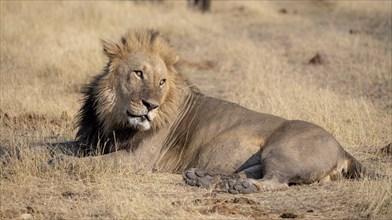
pixel 137 88
pixel 141 88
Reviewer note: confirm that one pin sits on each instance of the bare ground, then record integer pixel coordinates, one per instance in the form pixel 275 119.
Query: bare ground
pixel 326 62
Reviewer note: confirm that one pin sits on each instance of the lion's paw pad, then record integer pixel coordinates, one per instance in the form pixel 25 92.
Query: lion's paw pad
pixel 244 186
pixel 197 177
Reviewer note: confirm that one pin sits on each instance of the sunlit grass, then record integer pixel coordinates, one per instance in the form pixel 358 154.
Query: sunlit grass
pixel 257 56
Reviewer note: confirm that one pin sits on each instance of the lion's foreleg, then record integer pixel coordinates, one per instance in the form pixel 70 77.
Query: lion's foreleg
pixel 230 183
pixel 217 182
pixel 116 159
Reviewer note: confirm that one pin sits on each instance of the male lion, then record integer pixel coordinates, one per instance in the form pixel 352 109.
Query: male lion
pixel 140 110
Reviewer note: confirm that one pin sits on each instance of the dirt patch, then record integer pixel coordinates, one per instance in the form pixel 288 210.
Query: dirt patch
pixel 230 207
pixel 17 213
pixel 33 121
pixel 317 59
pixel 359 31
pixel 212 204
pixel 288 215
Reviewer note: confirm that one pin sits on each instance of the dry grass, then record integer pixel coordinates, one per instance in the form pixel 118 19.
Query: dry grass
pixel 253 53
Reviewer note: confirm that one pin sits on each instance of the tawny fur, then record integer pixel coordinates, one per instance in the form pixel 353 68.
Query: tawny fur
pixel 194 130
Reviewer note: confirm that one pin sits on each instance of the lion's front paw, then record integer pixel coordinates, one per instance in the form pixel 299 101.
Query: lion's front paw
pixel 244 186
pixel 197 177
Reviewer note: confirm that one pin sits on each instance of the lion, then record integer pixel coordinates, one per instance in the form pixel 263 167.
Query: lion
pixel 141 111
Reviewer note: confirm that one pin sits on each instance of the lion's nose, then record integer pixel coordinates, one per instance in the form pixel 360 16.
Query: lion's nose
pixel 149 105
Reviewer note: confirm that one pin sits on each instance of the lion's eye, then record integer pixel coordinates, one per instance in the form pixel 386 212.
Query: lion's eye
pixel 162 82
pixel 139 73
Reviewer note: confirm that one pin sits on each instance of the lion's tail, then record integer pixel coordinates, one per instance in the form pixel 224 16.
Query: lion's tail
pixel 356 170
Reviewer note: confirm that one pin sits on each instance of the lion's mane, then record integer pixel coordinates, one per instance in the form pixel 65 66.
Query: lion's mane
pixel 99 130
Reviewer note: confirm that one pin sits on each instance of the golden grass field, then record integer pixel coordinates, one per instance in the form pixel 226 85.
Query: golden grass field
pixel 255 53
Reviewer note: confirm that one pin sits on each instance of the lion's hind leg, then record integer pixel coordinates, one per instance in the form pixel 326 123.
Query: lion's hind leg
pixel 217 182
pixel 249 185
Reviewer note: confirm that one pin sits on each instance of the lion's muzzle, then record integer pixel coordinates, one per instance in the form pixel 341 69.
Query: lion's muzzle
pixel 142 122
pixel 149 105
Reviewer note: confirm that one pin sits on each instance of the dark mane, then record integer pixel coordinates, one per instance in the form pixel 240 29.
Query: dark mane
pixel 99 129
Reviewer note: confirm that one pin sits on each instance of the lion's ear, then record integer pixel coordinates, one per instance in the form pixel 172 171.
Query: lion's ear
pixel 111 49
pixel 176 59
pixel 172 60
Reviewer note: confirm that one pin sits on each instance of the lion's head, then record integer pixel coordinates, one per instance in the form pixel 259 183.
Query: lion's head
pixel 137 90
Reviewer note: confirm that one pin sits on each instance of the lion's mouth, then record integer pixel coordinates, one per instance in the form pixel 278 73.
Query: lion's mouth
pixel 140 117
